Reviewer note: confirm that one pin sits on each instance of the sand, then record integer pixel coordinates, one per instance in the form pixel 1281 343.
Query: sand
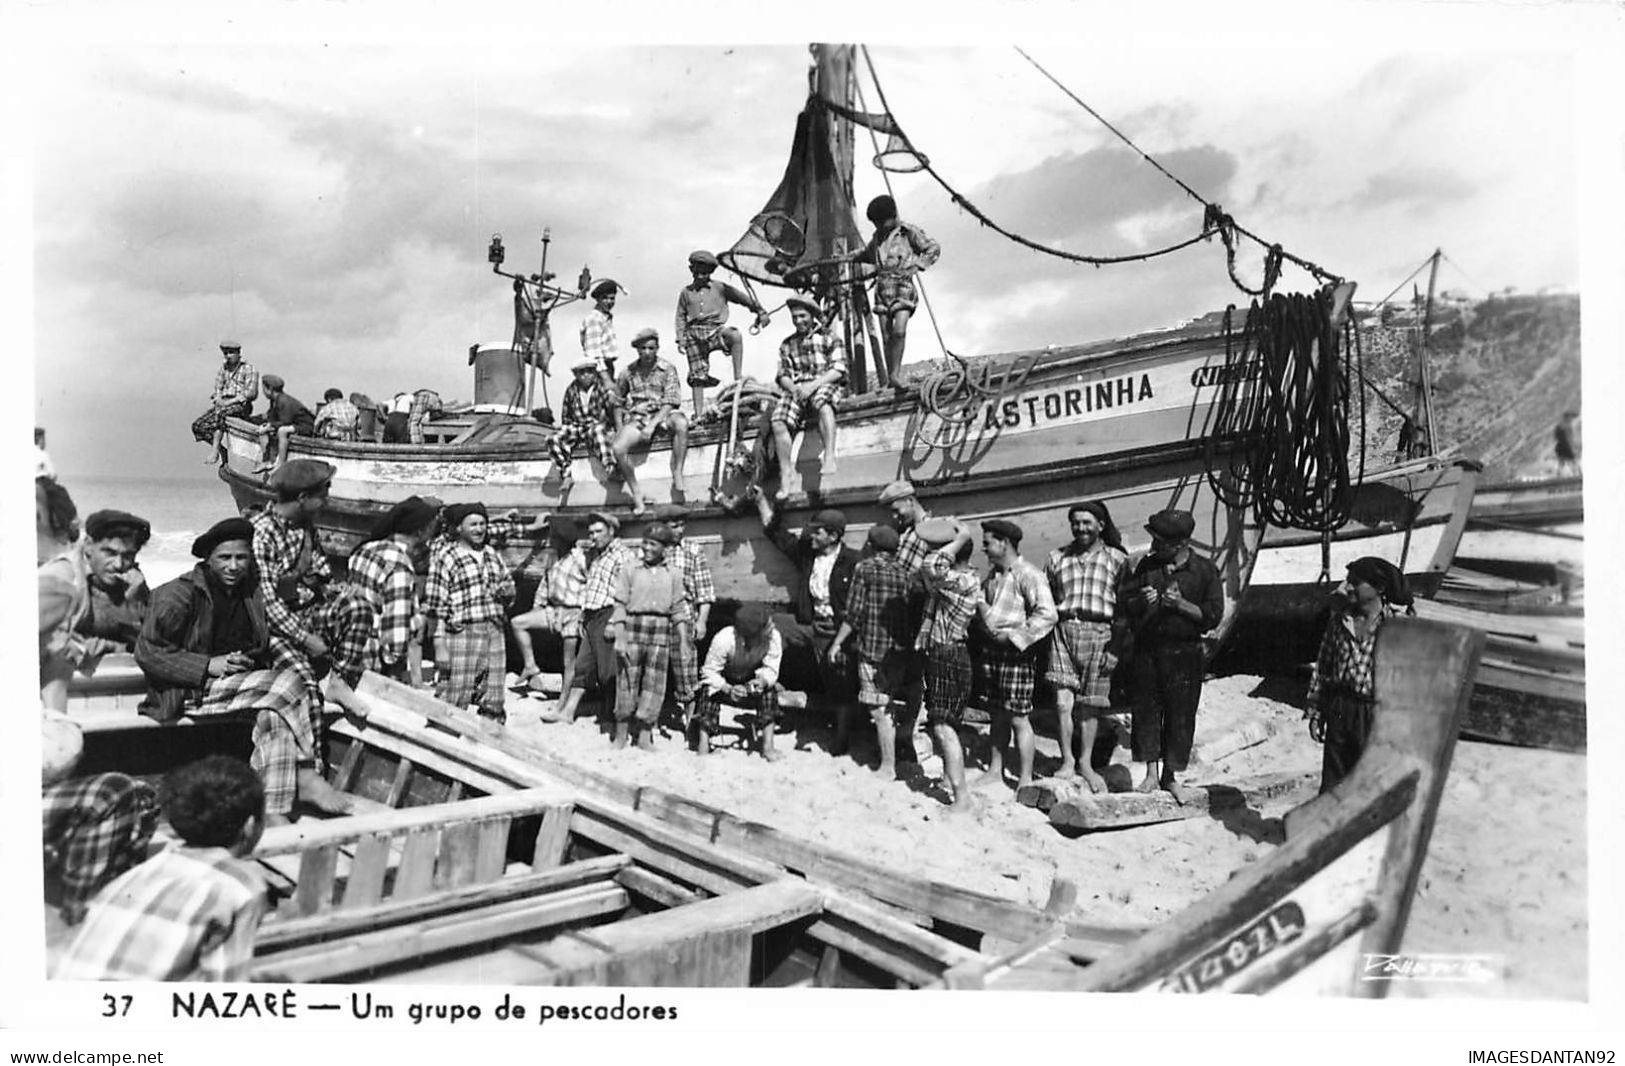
pixel 1505 876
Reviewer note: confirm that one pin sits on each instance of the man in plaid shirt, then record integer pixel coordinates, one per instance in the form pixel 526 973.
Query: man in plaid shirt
pixel 337 418
pixel 1015 615
pixel 882 636
pixel 236 387
pixel 383 569
pixel 700 588
pixel 812 368
pixel 1083 577
pixel 426 403
pixel 557 610
pixel 595 661
pixel 952 595
pixel 598 341
pixel 93 829
pixel 908 513
pixel 647 395
pixel 649 617
pixel 468 592
pixel 702 324
pixel 191 912
pixel 586 418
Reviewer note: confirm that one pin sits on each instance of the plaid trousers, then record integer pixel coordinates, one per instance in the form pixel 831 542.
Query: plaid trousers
pixel 476 664
pixel 795 413
pixel 685 670
pixel 344 621
pixel 642 656
pixel 205 425
pixel 284 728
pixel 1079 661
pixel 948 676
pixel 595 436
pixel 94 829
pixel 1005 678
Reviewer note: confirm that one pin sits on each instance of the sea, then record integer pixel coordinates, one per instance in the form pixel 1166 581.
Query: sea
pixel 179 508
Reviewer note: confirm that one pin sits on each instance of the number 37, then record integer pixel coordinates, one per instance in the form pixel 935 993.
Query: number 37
pixel 116 1006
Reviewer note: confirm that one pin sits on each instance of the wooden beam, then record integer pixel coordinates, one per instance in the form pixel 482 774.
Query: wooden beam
pixel 663 890
pixel 397 787
pixel 290 839
pixel 366 881
pixel 415 875
pixel 553 837
pixel 314 892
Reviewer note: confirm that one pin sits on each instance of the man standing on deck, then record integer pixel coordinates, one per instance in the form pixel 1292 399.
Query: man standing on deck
pixel 236 387
pixel 649 400
pixel 285 418
pixel 879 625
pixel 1171 598
pixel 702 324
pixel 382 568
pixel 1016 613
pixel 598 340
pixel 1083 577
pixel 650 615
pixel 595 662
pixel 812 369
pixel 700 588
pixel 899 250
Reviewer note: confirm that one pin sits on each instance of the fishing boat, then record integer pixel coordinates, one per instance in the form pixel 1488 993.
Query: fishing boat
pixel 1175 418
pixel 500 862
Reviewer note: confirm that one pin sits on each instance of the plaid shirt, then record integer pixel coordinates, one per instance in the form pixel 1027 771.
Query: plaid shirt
pixel 802 359
pixel 641 391
pixel 1085 583
pixel 698 584
pixel 238 384
pixel 186 914
pixel 1345 660
pixel 911 550
pixel 601 573
pixel 952 594
pixel 905 249
pixel 598 341
pixel 877 607
pixel 593 410
pixel 1019 603
pixel 425 402
pixel 277 548
pixel 383 571
pixel 337 420
pixel 465 586
pixel 704 309
pixel 568 581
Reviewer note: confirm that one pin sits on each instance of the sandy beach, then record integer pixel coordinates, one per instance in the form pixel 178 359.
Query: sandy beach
pixel 1505 876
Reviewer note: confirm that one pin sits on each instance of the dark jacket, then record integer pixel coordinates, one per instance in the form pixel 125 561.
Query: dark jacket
pixel 802 555
pixel 174 647
pixel 1199 582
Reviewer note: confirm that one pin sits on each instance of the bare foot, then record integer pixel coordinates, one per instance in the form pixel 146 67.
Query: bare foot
pixel 274 820
pixel 314 791
pixel 1094 781
pixel 831 467
pixel 1067 772
pixel 772 755
pixel 640 504
pixel 984 780
pixel 646 740
pixel 1179 792
pixel 679 489
pixel 1148 784
pixel 886 771
pixel 702 743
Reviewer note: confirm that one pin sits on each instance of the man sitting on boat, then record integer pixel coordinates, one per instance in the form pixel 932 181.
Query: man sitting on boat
pixel 881 631
pixel 595 662
pixel 189 913
pixel 702 324
pixel 382 568
pixel 207 649
pixel 285 418
pixel 337 418
pixel 236 387
pixel 649 400
pixel 1015 615
pixel 585 419
pixel 92 600
pixel 650 615
pixel 812 370
pixel 598 340
pixel 899 251
pixel 741 670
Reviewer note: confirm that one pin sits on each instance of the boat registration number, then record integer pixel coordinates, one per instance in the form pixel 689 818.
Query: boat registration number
pixel 1282 925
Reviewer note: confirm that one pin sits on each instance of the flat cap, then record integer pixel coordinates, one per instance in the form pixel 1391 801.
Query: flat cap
pixel 608 519
pixel 584 363
pixel 883 538
pixel 671 512
pixel 935 531
pixel 301 475
pixel 606 287
pixel 273 381
pixel 1004 529
pixel 1171 525
pixel 230 346
pixel 830 519
pixel 702 258
pixel 662 533
pixel 222 531
pixel 644 335
pixel 751 619
pixel 106 523
pixel 805 304
pixel 897 490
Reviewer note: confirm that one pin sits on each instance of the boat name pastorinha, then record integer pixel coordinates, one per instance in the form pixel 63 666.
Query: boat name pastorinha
pixel 1065 403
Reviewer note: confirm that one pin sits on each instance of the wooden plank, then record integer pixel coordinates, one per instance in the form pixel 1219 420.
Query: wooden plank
pixel 400 944
pixel 491 850
pixel 415 876
pixel 459 772
pixel 1083 809
pixel 314 891
pixel 459 850
pixel 281 935
pixel 719 959
pixel 553 837
pixel 911 954
pixel 291 839
pixel 366 882
pixel 397 788
pixel 662 890
pixel 344 772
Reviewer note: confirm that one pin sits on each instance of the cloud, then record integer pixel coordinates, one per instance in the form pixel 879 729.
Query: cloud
pixel 1413 190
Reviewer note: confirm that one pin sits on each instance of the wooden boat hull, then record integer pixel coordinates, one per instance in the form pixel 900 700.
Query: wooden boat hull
pixel 1535 503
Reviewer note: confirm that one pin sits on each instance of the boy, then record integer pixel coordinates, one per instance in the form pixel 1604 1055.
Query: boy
pixel 651 614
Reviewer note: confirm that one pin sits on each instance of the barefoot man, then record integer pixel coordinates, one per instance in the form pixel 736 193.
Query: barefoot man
pixel 1083 577
pixel 952 596
pixel 702 324
pixel 882 637
pixel 1171 598
pixel 650 614
pixel 649 400
pixel 812 369
pixel 1015 615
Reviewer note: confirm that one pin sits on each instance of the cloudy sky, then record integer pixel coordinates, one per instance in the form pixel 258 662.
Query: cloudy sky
pixel 327 197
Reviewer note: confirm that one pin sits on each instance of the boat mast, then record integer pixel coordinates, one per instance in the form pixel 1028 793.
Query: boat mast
pixel 833 77
pixel 1424 377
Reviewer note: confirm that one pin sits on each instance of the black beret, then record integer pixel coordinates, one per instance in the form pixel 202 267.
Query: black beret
pixel 1003 529
pixel 412 513
pixel 103 524
pixel 750 619
pixel 458 512
pixel 830 519
pixel 222 531
pixel 1171 525
pixel 661 533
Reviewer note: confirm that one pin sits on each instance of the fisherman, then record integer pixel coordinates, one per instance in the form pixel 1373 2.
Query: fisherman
pixel 824 566
pixel 397 419
pixel 1567 447
pixel 467 594
pixel 700 588
pixel 650 614
pixel 92 600
pixel 702 324
pixel 1083 577
pixel 598 341
pixel 208 649
pixel 587 413
pixel 236 387
pixel 812 368
pixel 882 637
pixel 191 912
pixel 382 567
pixel 1171 598
pixel 558 610
pixel 595 661
pixel 311 616
pixel 337 418
pixel 650 402
pixel 426 405
pixel 1015 615
pixel 1342 688
pixel 908 513
pixel 285 418
pixel 742 670
pixel 953 596
pixel 899 250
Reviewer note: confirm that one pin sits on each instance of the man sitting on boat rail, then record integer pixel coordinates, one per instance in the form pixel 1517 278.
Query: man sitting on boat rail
pixel 92 600
pixel 236 387
pixel 285 418
pixel 812 370
pixel 586 417
pixel 649 400
pixel 207 649
pixel 702 324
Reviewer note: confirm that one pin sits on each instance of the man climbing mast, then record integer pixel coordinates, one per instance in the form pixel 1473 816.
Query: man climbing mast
pixel 702 324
